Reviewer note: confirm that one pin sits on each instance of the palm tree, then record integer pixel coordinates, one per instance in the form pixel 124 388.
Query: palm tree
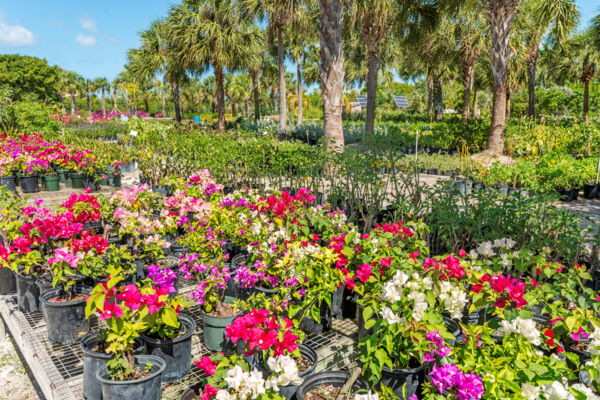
pixel 500 15
pixel 87 85
pixel 561 16
pixel 115 86
pixel 101 84
pixel 157 55
pixel 579 58
pixel 215 33
pixel 62 87
pixel 469 33
pixel 71 87
pixel 331 71
pixel 302 33
pixel 279 14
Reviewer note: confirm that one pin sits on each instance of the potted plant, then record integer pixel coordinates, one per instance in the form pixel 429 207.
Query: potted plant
pixel 26 263
pixel 7 177
pixel 64 307
pixel 126 375
pixel 209 293
pixel 261 335
pixel 233 378
pixel 169 333
pixel 331 385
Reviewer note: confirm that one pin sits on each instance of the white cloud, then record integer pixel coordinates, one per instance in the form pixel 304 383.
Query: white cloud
pixel 14 35
pixel 88 23
pixel 84 40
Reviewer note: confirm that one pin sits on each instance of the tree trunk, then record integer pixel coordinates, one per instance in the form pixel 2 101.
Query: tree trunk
pixel 146 106
pixel 254 76
pixel 282 92
pixel 175 95
pixel 586 100
pixel 219 77
pixel 103 103
pixel 115 107
pixel 299 77
pixel 438 99
pixel 371 92
pixel 62 102
pixel 531 68
pixel 89 101
pixel 72 101
pixel 331 72
pixel 495 142
pixel 475 105
pixel 468 77
pixel 508 95
pixel 164 103
pixel 499 14
pixel 181 104
pixel 429 96
pixel 247 108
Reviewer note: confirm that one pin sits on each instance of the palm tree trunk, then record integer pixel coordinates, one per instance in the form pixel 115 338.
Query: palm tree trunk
pixel 467 80
pixel 499 14
pixel 175 95
pixel 531 68
pixel 331 72
pixel 164 103
pixel 219 77
pixel 495 142
pixel 508 96
pixel 62 102
pixel 475 105
pixel 89 101
pixel 299 77
pixel 72 101
pixel 438 99
pixel 586 100
pixel 247 107
pixel 429 96
pixel 103 103
pixel 282 94
pixel 146 106
pixel 254 76
pixel 371 92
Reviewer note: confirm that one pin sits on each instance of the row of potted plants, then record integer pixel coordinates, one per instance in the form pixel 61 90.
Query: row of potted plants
pixel 497 322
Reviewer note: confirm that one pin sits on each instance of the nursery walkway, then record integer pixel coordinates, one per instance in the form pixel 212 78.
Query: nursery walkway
pixel 58 369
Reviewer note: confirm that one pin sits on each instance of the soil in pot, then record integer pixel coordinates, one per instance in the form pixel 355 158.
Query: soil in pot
pixel 332 382
pixel 94 357
pixel 214 325
pixel 177 352
pixel 8 282
pixel 146 388
pixel 28 293
pixel 65 318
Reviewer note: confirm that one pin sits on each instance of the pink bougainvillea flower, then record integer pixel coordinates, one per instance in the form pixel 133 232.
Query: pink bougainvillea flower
pixel 111 310
pixel 364 272
pixel 131 297
pixel 209 392
pixel 207 366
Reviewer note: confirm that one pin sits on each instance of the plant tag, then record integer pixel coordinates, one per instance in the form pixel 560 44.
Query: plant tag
pixel 133 133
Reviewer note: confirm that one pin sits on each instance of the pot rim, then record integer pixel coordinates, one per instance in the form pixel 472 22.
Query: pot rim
pixel 154 360
pixel 328 374
pixel 184 320
pixel 46 296
pixel 404 371
pixel 95 354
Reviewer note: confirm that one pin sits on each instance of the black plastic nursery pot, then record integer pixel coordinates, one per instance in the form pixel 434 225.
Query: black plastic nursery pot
pixel 584 356
pixel 64 320
pixel 176 353
pixel 569 195
pixel 289 391
pixel 28 293
pixel 9 183
pixel 114 180
pixel 44 282
pixel 192 392
pixel 454 328
pixel 8 283
pixel 146 388
pixel 90 183
pixel 93 361
pixel 30 184
pixel 397 379
pixel 590 190
pixel 334 378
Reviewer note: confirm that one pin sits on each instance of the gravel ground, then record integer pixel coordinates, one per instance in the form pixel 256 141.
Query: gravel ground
pixel 14 378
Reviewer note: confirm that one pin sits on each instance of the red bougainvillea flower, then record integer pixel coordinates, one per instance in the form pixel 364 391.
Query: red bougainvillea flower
pixel 462 253
pixel 207 366
pixel 131 296
pixel 209 392
pixel 364 272
pixel 111 310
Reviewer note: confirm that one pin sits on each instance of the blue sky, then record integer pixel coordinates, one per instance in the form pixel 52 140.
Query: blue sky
pixel 92 37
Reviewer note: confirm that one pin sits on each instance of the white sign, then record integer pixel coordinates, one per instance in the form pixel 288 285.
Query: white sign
pixel 133 133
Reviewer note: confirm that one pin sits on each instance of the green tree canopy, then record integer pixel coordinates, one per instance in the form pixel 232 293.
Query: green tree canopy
pixel 28 75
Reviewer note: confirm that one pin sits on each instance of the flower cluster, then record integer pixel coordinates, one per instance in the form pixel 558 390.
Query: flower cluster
pixel 449 377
